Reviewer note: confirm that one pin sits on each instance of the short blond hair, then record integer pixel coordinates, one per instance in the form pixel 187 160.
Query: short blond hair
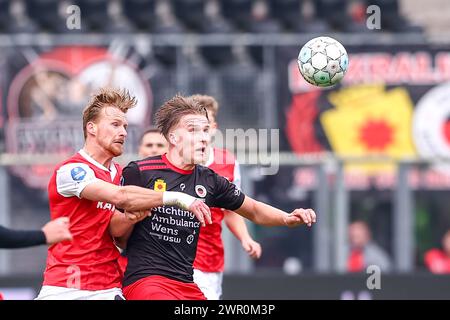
pixel 107 97
pixel 208 102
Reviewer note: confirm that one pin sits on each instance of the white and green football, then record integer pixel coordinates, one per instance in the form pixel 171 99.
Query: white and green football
pixel 323 61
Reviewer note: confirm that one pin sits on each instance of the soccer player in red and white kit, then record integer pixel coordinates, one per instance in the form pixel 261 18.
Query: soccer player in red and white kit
pixel 162 247
pixel 86 189
pixel 209 261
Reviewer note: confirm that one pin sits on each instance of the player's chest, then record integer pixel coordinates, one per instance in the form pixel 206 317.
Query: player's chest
pixel 194 185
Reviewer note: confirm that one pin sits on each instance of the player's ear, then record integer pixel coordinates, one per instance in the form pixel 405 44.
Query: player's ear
pixel 91 128
pixel 172 138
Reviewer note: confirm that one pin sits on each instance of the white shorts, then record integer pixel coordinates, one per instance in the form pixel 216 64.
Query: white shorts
pixel 62 293
pixel 210 283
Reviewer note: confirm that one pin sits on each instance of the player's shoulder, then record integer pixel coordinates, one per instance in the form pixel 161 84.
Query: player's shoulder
pixel 148 164
pixel 206 172
pixel 72 162
pixel 150 160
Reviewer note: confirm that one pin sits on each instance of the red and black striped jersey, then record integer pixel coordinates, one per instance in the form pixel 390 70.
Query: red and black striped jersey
pixel 165 243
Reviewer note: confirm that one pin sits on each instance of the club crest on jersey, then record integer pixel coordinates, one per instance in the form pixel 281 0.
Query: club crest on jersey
pixel 160 185
pixel 200 190
pixel 190 239
pixel 78 173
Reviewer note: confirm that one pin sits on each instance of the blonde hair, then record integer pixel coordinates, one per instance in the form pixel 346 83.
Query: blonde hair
pixel 107 97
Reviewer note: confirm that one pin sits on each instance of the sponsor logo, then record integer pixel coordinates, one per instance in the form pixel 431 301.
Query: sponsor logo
pixel 190 239
pixel 160 185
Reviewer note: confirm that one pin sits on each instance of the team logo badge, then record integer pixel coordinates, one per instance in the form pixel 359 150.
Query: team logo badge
pixel 78 173
pixel 200 191
pixel 160 185
pixel 431 125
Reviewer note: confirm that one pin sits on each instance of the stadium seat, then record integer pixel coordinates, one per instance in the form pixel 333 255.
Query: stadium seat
pixel 237 11
pixel 336 13
pixel 190 12
pixel 95 12
pixel 391 18
pixel 215 23
pixel 4 15
pixel 166 23
pixel 240 83
pixel 198 74
pixel 141 13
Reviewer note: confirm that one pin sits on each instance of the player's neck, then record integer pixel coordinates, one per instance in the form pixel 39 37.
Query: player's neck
pixel 98 154
pixel 176 160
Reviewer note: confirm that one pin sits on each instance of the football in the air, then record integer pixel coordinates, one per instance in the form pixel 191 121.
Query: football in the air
pixel 323 61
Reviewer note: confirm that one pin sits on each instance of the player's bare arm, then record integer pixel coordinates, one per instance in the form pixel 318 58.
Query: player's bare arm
pixel 133 198
pixel 264 214
pixel 122 222
pixel 236 224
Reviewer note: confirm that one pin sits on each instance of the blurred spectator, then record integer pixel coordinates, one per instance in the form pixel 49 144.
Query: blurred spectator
pixel 213 21
pixel 117 21
pixel 261 21
pixel 20 21
pixel 152 143
pixel 437 260
pixel 363 251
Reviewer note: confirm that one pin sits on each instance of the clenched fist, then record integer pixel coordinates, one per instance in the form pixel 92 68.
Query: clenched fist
pixel 300 216
pixel 57 230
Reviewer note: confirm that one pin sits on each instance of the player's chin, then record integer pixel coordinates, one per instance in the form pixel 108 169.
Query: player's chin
pixel 199 157
pixel 117 149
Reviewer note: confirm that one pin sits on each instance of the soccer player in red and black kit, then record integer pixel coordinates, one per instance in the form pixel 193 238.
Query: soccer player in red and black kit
pixel 86 189
pixel 209 261
pixel 162 247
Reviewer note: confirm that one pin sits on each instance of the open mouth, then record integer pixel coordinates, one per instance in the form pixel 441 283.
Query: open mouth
pixel 119 142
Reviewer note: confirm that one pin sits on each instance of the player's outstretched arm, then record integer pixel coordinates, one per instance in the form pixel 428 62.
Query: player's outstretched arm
pixel 57 230
pixel 133 198
pixel 237 226
pixel 266 215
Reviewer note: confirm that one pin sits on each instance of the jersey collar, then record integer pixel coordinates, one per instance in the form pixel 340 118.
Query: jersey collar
pixel 112 168
pixel 174 168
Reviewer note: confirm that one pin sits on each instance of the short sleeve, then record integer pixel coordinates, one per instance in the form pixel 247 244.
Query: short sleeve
pixel 72 178
pixel 226 194
pixel 131 175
